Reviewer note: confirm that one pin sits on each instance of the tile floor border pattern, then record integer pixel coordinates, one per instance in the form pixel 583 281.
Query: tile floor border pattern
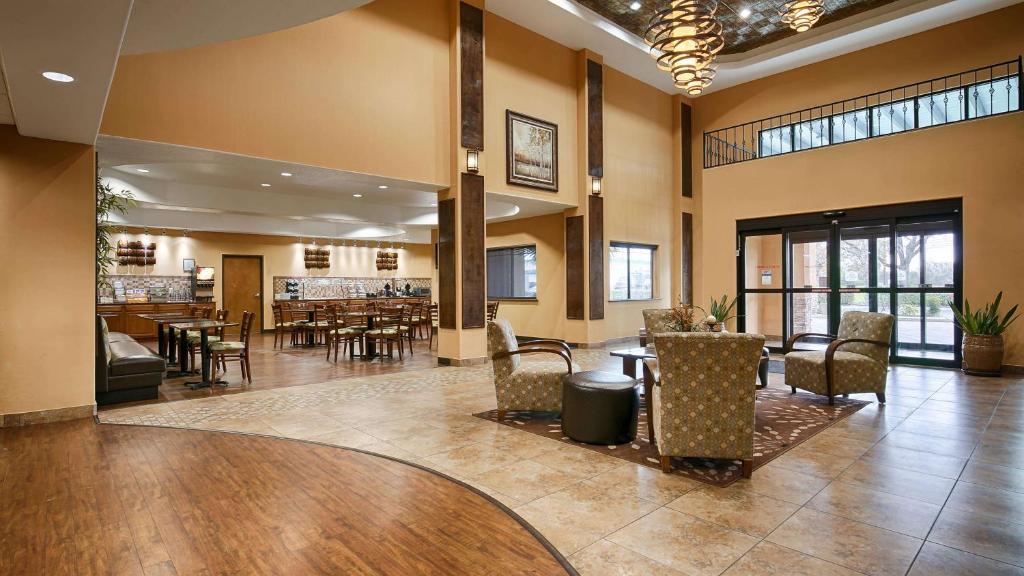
pixel 853 500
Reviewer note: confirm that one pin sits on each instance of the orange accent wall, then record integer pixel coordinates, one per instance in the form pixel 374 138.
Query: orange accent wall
pixel 977 160
pixel 47 295
pixel 365 90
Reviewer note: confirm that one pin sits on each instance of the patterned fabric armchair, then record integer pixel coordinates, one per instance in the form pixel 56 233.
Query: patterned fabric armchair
pixel 703 405
pixel 859 367
pixel 657 320
pixel 527 385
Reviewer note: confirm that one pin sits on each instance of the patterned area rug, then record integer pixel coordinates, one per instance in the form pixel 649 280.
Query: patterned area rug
pixel 782 421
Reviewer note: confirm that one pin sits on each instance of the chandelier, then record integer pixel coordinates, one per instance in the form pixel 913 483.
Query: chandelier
pixel 802 14
pixel 684 38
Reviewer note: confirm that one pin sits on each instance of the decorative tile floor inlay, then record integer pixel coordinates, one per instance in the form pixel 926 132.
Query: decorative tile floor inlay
pixel 866 495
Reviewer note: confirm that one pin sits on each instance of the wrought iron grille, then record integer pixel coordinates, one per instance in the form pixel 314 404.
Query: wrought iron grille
pixel 978 93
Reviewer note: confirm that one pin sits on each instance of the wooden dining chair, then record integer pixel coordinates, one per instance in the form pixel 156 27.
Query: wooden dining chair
pixel 387 329
pixel 492 311
pixel 344 331
pixel 432 316
pixel 282 326
pixel 408 326
pixel 228 350
pixel 195 338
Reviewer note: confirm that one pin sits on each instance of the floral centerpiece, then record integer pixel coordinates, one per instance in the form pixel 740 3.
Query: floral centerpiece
pixel 683 318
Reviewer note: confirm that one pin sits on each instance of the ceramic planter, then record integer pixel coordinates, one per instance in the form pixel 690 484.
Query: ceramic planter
pixel 982 355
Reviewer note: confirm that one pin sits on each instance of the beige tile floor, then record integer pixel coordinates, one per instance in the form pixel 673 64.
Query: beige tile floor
pixel 932 483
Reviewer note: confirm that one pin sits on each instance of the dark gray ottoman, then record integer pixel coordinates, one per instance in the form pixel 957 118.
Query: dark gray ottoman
pixel 599 407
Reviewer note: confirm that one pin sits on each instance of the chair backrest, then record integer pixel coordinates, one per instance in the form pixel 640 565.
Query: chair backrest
pixel 205 313
pixel 246 328
pixel 657 320
pixel 389 317
pixel 870 326
pixel 708 383
pixel 222 316
pixel 501 338
pixel 332 313
pixel 492 310
pixel 278 315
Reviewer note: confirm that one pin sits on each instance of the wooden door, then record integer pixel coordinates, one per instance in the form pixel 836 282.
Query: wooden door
pixel 243 289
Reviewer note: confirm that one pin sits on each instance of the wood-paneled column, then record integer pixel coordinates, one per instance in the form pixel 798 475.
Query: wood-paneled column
pixel 462 275
pixel 584 227
pixel 684 238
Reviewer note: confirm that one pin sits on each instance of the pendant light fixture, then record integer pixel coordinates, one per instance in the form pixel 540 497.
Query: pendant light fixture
pixel 801 15
pixel 684 38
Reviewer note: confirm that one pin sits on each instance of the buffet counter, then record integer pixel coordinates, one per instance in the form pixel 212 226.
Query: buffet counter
pixel 123 317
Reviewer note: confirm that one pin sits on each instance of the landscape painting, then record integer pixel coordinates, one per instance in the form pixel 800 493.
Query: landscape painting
pixel 532 148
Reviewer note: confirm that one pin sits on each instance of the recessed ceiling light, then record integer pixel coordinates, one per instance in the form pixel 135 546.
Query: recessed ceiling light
pixel 745 13
pixel 357 195
pixel 143 170
pixel 265 185
pixel 58 76
pixel 286 174
pixel 383 187
pixel 634 6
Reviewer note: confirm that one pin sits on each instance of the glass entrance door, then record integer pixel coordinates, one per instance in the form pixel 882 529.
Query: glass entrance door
pixel 803 278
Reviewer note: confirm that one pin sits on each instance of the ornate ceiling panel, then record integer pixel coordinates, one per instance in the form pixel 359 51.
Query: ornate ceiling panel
pixel 763 26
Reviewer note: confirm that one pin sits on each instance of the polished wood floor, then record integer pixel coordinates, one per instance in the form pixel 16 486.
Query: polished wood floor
pixel 295 366
pixel 82 498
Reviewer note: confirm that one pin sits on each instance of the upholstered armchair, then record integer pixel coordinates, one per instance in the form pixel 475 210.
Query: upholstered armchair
pixel 703 404
pixel 657 320
pixel 859 366
pixel 527 385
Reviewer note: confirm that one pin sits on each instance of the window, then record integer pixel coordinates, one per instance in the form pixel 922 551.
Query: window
pixel 894 117
pixel 811 134
pixel 850 126
pixel 512 272
pixel 994 97
pixel 631 271
pixel 940 108
pixel 776 141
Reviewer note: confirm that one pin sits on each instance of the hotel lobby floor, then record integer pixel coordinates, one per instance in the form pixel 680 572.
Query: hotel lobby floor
pixel 932 483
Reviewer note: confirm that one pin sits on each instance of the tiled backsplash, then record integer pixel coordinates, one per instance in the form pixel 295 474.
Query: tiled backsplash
pixel 174 284
pixel 346 286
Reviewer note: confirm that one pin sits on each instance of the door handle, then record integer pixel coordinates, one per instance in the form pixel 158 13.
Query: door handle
pixel 257 295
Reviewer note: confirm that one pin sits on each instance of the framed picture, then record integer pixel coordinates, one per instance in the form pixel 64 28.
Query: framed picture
pixel 531 151
pixel 188 265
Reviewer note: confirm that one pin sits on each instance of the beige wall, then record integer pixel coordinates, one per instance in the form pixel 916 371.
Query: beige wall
pixel 365 90
pixel 529 74
pixel 282 256
pixel 48 293
pixel 544 317
pixel 637 187
pixel 977 160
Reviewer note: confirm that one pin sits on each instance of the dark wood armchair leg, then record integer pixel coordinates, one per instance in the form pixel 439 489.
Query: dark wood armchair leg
pixel 793 388
pixel 831 400
pixel 881 397
pixel 748 468
pixel 666 464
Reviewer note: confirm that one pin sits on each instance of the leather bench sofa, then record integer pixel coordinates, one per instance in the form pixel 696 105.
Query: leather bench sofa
pixel 126 371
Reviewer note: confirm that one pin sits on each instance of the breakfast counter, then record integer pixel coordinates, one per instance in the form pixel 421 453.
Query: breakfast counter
pixel 123 317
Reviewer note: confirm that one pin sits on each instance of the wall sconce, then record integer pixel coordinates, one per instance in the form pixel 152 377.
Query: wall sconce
pixel 595 186
pixel 473 161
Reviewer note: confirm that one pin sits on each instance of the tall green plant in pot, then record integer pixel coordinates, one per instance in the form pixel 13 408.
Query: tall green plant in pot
pixel 107 204
pixel 983 335
pixel 719 313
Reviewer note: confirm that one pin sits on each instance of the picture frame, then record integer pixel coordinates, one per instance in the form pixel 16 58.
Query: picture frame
pixel 531 152
pixel 188 265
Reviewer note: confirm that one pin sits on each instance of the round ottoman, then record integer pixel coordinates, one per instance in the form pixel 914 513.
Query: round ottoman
pixel 599 407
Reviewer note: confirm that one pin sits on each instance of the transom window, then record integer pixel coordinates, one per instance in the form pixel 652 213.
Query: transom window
pixel 512 272
pixel 631 271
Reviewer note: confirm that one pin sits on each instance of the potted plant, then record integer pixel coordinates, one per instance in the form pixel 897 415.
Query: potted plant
pixel 719 313
pixel 107 204
pixel 983 336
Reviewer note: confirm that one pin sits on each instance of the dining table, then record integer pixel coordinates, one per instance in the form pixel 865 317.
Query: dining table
pixel 203 327
pixel 165 337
